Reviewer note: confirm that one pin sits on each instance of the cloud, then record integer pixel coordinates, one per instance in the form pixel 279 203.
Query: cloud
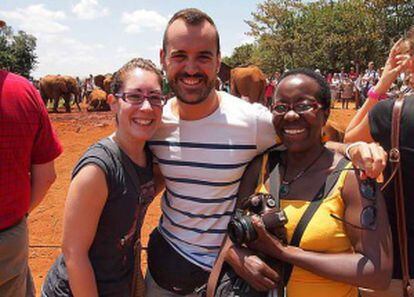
pixel 89 10
pixel 139 19
pixel 124 54
pixel 37 20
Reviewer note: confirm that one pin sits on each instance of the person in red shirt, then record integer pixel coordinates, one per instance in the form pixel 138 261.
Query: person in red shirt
pixel 353 75
pixel 270 87
pixel 28 146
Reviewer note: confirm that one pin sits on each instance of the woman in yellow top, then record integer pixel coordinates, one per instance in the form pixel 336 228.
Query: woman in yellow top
pixel 347 243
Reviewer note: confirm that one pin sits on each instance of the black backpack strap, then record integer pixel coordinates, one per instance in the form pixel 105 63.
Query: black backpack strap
pixel 274 185
pixel 125 161
pixel 274 176
pixel 311 210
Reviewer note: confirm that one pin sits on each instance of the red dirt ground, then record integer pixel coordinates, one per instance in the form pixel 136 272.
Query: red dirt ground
pixel 77 131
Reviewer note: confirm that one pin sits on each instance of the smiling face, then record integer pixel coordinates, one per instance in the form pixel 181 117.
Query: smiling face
pixel 138 122
pixel 299 132
pixel 191 60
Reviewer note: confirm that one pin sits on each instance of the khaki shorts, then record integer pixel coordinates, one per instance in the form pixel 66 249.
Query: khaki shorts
pixel 15 277
pixel 394 290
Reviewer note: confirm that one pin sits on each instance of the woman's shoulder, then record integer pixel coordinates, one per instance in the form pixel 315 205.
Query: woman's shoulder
pixel 97 154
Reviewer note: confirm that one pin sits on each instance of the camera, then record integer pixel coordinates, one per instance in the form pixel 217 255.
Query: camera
pixel 240 228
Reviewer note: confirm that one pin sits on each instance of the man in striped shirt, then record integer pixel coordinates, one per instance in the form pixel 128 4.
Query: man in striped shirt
pixel 202 147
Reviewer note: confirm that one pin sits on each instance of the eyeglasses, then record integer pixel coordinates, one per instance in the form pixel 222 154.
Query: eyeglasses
pixel 302 107
pixel 155 99
pixel 368 216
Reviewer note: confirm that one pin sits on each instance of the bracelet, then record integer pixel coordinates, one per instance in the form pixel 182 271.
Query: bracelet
pixel 350 146
pixel 374 95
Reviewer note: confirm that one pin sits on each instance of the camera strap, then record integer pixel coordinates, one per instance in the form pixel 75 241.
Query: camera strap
pixel 312 208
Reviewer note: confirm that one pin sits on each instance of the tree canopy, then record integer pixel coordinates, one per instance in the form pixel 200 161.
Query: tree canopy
pixel 17 51
pixel 325 34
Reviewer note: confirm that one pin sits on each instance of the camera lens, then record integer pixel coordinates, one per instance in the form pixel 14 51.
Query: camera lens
pixel 241 230
pixel 236 232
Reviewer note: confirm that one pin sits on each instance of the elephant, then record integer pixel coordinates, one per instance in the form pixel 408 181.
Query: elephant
pixel 98 80
pixel 98 101
pixel 107 83
pixel 74 88
pixel 248 83
pixel 53 87
pixel 332 131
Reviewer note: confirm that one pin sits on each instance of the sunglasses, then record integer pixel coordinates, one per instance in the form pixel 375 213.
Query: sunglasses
pixel 368 216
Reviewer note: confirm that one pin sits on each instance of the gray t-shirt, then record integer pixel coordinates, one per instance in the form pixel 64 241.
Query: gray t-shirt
pixel 112 251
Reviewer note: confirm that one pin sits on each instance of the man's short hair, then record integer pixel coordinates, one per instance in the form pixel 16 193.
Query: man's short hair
pixel 193 17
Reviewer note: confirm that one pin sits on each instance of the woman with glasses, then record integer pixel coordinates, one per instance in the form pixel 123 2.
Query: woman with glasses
pixel 111 188
pixel 373 123
pixel 346 242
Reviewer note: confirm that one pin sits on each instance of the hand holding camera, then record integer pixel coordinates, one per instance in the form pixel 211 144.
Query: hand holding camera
pixel 255 224
pixel 241 229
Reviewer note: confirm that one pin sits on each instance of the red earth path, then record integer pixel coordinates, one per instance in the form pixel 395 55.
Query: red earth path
pixel 77 131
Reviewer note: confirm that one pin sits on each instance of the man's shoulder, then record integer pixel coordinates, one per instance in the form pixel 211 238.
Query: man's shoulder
pixel 19 91
pixel 233 104
pixel 9 78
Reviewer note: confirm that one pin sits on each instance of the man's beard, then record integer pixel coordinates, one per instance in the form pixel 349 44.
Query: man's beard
pixel 203 93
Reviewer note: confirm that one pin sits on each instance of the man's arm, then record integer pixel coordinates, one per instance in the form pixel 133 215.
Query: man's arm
pixel 42 177
pixel 369 157
pixel 158 179
pixel 250 179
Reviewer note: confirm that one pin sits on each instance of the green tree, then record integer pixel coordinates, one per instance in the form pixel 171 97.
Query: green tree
pixel 394 17
pixel 241 55
pixel 17 51
pixel 326 34
pixel 273 28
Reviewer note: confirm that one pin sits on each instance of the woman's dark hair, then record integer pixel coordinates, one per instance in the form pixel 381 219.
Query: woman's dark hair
pixel 324 94
pixel 121 75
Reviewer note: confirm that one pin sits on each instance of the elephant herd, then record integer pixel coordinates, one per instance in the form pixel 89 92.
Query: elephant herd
pixel 54 87
pixel 248 83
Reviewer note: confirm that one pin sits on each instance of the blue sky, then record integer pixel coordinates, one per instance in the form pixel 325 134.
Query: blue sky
pixel 78 37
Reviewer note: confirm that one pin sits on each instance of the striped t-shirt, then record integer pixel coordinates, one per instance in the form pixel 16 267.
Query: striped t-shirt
pixel 202 162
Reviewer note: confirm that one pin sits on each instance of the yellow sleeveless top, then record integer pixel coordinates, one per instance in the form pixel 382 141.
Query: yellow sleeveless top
pixel 323 234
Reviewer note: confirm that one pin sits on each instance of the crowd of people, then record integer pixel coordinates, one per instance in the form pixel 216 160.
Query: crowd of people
pixel 200 148
pixel 351 86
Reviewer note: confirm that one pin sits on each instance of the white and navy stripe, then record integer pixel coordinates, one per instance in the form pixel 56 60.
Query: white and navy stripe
pixel 203 162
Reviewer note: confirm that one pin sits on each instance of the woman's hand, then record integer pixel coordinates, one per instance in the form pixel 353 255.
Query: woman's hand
pixel 397 62
pixel 252 269
pixel 266 242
